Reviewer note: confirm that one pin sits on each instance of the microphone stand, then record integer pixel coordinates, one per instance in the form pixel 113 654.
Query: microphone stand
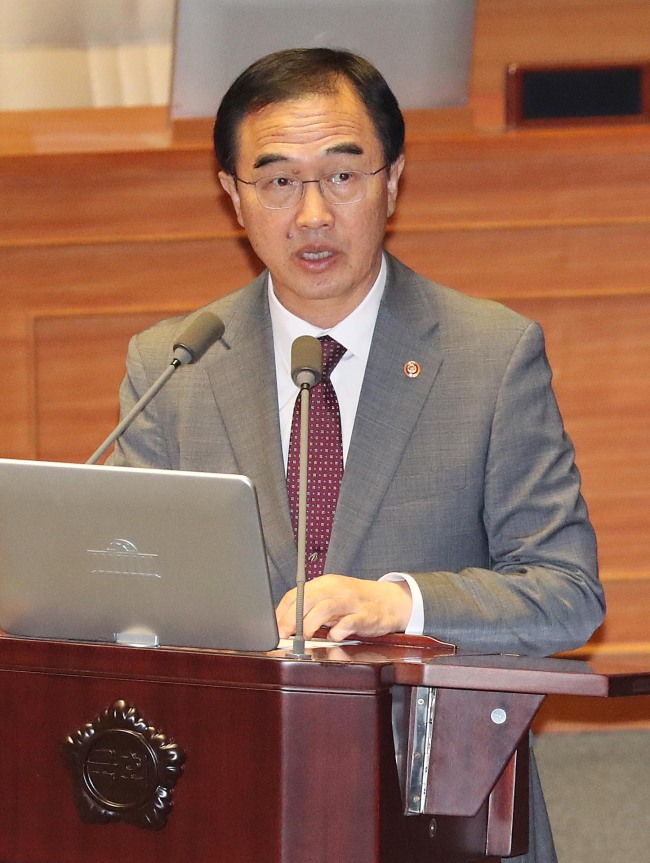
pixel 306 363
pixel 153 390
pixel 298 651
pixel 194 341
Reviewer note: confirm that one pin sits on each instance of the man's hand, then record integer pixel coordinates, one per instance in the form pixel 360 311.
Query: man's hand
pixel 348 606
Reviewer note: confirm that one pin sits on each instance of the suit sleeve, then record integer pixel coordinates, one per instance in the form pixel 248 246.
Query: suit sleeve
pixel 541 593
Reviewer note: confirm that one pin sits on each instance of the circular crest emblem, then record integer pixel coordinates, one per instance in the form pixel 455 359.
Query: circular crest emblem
pixel 412 369
pixel 123 769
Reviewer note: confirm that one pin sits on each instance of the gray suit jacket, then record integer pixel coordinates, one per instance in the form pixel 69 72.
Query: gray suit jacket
pixel 462 476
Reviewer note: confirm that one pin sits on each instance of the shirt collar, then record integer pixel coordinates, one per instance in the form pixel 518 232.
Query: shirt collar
pixel 355 331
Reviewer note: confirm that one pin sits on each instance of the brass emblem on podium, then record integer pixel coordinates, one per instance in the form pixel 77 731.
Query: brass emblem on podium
pixel 123 769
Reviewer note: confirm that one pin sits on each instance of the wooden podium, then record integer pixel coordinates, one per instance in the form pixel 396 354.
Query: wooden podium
pixel 365 754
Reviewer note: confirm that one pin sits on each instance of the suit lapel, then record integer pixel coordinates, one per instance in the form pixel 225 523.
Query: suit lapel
pixel 244 386
pixel 389 407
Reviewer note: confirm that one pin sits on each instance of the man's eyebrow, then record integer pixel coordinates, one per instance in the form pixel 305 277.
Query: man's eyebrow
pixel 345 148
pixel 269 159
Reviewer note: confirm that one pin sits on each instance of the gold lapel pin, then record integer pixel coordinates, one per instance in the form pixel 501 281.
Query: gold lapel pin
pixel 412 369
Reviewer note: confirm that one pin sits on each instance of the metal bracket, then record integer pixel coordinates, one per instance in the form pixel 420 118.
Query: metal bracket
pixel 417 768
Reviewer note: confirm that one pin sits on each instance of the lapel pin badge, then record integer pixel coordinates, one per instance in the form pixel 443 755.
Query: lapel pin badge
pixel 412 369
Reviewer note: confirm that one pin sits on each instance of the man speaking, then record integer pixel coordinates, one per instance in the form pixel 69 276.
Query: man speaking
pixel 444 498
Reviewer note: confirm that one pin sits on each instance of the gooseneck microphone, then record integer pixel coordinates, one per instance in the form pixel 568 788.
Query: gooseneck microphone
pixel 306 364
pixel 193 342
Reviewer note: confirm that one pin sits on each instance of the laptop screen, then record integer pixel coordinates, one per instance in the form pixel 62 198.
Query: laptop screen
pixel 134 556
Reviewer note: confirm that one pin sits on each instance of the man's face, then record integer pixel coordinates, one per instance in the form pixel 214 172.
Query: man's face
pixel 323 257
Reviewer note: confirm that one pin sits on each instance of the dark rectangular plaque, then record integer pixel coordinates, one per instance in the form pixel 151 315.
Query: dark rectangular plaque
pixel 561 95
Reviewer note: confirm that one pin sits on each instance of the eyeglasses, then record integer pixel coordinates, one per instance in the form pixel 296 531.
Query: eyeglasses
pixel 341 187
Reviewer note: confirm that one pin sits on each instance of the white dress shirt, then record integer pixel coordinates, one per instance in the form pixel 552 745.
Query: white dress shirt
pixel 355 332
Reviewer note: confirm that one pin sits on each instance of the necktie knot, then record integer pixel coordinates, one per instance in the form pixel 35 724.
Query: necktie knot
pixel 332 353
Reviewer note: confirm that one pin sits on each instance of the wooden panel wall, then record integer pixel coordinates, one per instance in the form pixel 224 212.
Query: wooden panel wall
pixel 95 245
pixel 551 31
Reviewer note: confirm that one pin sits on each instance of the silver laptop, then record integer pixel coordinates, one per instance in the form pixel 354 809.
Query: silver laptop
pixel 133 556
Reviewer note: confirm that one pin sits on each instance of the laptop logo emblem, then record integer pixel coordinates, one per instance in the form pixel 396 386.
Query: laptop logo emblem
pixel 121 557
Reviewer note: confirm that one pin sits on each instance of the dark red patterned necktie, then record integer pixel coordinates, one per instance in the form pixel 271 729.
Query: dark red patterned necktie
pixel 325 462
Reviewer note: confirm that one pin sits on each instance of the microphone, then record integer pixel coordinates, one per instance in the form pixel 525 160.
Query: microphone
pixel 306 370
pixel 306 361
pixel 201 334
pixel 193 342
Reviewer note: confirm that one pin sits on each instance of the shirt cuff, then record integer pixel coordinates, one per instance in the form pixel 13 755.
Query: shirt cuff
pixel 415 625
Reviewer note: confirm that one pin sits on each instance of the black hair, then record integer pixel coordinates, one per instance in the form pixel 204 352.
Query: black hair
pixel 298 72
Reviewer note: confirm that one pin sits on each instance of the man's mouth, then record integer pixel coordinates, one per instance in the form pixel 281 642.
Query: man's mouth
pixel 316 256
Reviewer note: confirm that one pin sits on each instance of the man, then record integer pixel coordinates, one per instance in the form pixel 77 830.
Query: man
pixel 459 512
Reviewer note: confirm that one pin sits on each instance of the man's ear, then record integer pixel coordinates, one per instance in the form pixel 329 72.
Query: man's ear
pixel 394 173
pixel 230 187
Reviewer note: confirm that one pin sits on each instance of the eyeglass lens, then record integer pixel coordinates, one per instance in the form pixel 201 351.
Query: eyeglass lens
pixel 342 187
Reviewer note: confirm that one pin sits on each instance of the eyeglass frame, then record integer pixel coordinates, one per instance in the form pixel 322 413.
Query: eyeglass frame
pixel 366 174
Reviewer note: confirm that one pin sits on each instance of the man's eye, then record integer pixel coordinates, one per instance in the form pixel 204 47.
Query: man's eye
pixel 341 178
pixel 281 182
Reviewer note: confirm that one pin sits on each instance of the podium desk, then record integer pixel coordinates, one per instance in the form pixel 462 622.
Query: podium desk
pixel 364 754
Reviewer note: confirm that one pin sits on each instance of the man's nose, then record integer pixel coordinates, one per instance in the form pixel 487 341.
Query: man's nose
pixel 313 210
